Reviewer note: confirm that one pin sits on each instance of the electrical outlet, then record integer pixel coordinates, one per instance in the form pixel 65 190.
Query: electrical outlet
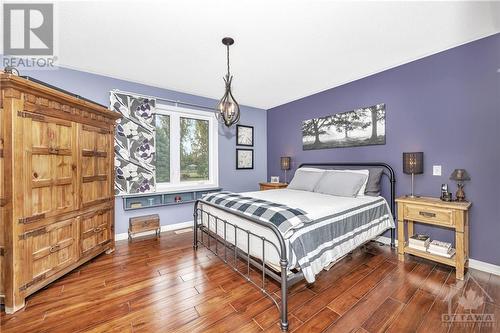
pixel 436 170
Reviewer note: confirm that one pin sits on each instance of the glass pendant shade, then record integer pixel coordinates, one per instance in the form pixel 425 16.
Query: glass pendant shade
pixel 228 110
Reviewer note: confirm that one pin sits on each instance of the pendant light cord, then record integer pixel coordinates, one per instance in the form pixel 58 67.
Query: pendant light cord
pixel 228 72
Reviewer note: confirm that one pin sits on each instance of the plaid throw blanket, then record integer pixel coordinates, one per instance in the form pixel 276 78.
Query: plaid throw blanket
pixel 284 217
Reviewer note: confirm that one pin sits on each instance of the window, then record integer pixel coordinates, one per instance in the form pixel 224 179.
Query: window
pixel 186 149
pixel 194 149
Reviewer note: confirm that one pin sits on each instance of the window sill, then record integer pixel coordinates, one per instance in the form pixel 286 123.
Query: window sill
pixel 189 187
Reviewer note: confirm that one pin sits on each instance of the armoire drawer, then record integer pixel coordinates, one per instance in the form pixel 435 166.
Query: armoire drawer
pixel 48 250
pixel 2 250
pixel 95 230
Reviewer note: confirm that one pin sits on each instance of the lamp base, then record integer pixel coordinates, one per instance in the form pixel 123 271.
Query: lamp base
pixel 412 195
pixel 460 195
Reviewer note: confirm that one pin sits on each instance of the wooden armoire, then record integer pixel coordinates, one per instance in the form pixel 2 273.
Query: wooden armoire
pixel 56 185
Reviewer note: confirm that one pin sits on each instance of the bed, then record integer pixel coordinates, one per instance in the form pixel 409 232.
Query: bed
pixel 320 229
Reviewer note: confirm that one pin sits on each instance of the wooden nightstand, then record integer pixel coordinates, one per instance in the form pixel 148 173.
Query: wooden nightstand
pixel 452 215
pixel 272 186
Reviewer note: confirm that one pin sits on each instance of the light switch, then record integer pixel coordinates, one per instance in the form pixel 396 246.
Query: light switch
pixel 436 170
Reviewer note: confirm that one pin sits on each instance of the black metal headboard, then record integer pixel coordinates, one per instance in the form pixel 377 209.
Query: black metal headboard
pixel 388 172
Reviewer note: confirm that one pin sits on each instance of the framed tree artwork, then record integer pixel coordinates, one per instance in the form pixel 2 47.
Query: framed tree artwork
pixel 244 135
pixel 360 127
pixel 244 159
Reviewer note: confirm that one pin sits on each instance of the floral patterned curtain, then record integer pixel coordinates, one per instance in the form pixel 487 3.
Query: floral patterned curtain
pixel 134 144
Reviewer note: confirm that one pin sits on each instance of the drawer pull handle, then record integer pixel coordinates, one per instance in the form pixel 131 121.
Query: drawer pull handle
pixel 54 248
pixel 96 230
pixel 427 214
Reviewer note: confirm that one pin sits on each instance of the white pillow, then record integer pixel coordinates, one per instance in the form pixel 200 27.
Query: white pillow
pixel 312 169
pixel 343 184
pixel 361 192
pixel 305 180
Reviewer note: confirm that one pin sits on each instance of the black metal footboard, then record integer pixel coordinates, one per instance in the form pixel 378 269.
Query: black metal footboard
pixel 232 253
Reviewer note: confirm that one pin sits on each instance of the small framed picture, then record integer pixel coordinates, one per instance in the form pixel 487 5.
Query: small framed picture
pixel 275 179
pixel 244 159
pixel 244 135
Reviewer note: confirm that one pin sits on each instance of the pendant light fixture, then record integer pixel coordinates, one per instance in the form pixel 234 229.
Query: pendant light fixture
pixel 228 110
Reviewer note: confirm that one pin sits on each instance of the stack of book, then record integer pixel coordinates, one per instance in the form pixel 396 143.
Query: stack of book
pixel 419 242
pixel 439 248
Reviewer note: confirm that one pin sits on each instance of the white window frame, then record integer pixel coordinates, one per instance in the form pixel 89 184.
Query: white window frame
pixel 176 113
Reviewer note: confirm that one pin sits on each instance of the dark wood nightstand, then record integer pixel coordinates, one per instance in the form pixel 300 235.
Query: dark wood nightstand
pixel 272 186
pixel 433 211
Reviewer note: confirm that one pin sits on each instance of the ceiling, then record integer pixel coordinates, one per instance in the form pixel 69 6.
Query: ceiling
pixel 284 50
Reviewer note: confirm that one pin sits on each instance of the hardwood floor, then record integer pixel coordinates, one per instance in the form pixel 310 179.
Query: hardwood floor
pixel 164 286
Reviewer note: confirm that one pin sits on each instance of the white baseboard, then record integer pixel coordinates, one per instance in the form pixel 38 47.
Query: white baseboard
pixel 168 227
pixel 484 266
pixel 473 263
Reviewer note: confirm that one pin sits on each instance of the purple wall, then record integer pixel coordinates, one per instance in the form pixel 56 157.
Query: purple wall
pixel 446 105
pixel 97 87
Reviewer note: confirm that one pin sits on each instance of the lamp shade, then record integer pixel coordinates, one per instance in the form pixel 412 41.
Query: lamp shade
pixel 413 163
pixel 285 162
pixel 459 175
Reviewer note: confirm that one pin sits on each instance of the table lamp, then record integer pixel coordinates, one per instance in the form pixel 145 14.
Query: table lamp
pixel 460 176
pixel 413 164
pixel 285 163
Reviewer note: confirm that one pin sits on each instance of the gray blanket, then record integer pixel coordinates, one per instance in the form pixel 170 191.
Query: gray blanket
pixel 327 239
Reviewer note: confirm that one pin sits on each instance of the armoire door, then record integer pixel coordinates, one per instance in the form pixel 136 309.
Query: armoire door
pixel 2 160
pixel 48 250
pixel 95 230
pixel 50 166
pixel 96 145
pixel 3 202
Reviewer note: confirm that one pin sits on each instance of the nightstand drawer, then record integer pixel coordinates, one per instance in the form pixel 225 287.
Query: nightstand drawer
pixel 429 214
pixel 272 186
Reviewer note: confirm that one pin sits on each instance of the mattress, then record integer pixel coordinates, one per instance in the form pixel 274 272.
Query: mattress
pixel 338 225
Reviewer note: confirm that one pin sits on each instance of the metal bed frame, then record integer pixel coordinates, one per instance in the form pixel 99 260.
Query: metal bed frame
pixel 232 254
